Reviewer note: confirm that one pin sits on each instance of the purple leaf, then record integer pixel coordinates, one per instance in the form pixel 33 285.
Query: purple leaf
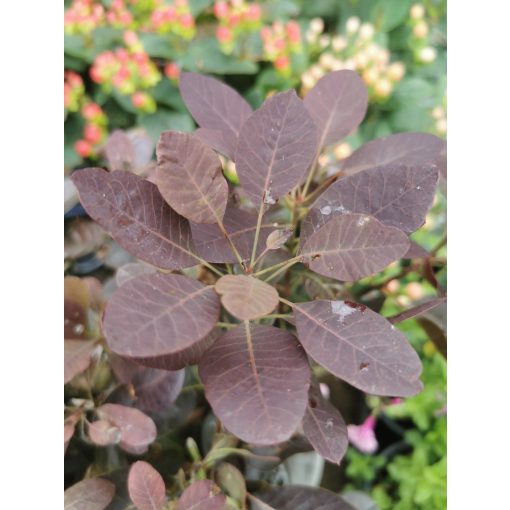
pixel 119 151
pixel 276 146
pixel 217 140
pixel 156 390
pixel 240 225
pixel 215 106
pixel 324 426
pixel 133 211
pixel 146 487
pixel 352 246
pixel 190 178
pixel 337 104
pixel 256 379
pixel 277 238
pixel 416 252
pixel 246 297
pixel 296 497
pixel 131 270
pixel 159 314
pixel 137 430
pixel 104 433
pixel 397 195
pixel 406 148
pixel 359 346
pixel 201 495
pixel 417 310
pixel 188 356
pixel 90 494
pixel 77 357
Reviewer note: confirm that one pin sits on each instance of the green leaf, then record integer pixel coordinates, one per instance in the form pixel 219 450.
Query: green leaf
pixel 158 46
pixel 74 45
pixel 165 92
pixel 197 6
pixel 388 14
pixel 205 56
pixel 163 120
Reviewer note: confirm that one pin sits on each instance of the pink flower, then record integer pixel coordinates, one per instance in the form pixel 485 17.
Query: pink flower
pixel 223 34
pixel 363 436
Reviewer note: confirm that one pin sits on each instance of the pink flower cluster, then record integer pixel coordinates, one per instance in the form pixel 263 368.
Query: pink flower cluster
pixel 95 131
pixel 83 17
pixel 176 19
pixel 118 15
pixel 129 70
pixel 73 91
pixel 280 41
pixel 235 18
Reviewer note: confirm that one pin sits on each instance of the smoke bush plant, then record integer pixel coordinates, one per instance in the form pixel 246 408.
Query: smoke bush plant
pixel 285 217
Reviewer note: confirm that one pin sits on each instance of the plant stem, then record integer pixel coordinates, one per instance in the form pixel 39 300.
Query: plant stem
pixel 257 233
pixel 277 316
pixel 231 243
pixel 281 270
pixel 317 191
pixel 276 266
pixel 288 303
pixel 206 264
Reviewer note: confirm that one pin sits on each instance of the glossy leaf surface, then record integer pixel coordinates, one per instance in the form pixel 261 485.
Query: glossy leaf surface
pixel 246 297
pixel 104 433
pixel 89 494
pixel 337 104
pixel 397 195
pixel 146 487
pixel 190 178
pixel 159 314
pixel 201 495
pixel 359 346
pixel 276 146
pixel 215 106
pixel 256 380
pixel 406 148
pixel 135 214
pixel 324 426
pixel 352 246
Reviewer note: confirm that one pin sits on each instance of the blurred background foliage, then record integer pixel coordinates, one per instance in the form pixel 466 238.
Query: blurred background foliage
pixel 122 63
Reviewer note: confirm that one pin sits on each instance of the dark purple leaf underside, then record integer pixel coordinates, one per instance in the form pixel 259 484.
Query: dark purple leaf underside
pixel 359 346
pixel 324 426
pixel 135 214
pixel 216 107
pixel 201 495
pixel 190 178
pixel 76 357
pixel 212 246
pixel 154 390
pixel 417 310
pixel 256 379
pixel 119 151
pixel 296 497
pixel 137 430
pixel 406 148
pixel 159 314
pixel 397 195
pixel 146 487
pixel 337 104
pixel 90 494
pixel 276 146
pixel 352 246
